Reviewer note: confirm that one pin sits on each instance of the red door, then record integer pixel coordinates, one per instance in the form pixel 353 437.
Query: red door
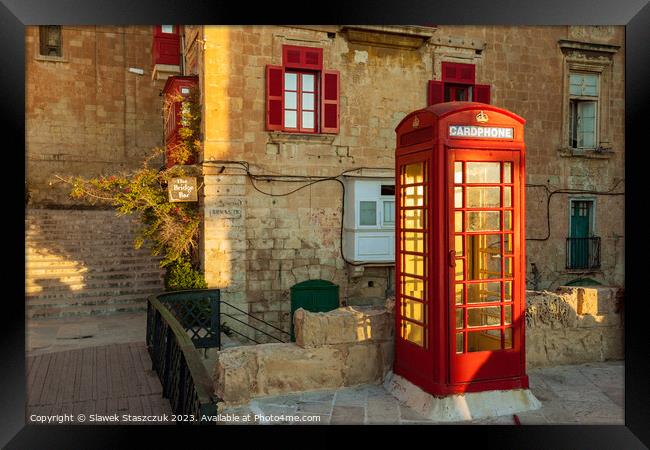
pixel 413 277
pixel 484 264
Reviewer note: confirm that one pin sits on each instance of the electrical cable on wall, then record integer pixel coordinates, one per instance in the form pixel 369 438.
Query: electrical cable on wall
pixel 302 178
pixel 550 194
pixel 312 179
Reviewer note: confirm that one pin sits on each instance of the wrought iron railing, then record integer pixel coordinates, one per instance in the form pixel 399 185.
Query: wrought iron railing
pixel 184 378
pixel 179 323
pixel 271 330
pixel 198 312
pixel 583 252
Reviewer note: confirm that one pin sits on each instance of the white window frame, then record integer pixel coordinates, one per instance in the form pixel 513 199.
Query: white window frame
pixel 384 200
pixel 368 243
pixel 587 57
pixel 585 98
pixel 358 214
pixel 379 210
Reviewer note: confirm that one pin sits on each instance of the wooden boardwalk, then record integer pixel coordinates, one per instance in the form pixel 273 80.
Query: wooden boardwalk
pixel 107 380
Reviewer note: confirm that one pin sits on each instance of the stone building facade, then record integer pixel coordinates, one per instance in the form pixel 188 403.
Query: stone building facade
pixel 257 240
pixel 91 107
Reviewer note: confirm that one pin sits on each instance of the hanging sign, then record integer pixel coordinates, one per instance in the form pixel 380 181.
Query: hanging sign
pixel 473 131
pixel 182 189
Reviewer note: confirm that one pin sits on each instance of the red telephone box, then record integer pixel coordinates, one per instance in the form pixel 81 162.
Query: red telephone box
pixel 460 249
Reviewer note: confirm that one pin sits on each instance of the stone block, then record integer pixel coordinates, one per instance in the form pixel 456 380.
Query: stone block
pixel 613 340
pixel 535 349
pixel 288 368
pixel 234 371
pixel 362 364
pixel 387 351
pixel 551 310
pixel 587 301
pixel 345 325
pixel 573 346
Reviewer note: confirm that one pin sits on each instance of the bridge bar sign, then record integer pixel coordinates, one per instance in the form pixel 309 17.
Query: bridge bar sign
pixel 182 189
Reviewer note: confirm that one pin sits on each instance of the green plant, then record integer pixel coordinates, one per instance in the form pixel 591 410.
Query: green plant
pixel 171 228
pixel 181 275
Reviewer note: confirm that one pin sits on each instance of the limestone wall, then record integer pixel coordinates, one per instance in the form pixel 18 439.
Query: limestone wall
pixel 573 325
pixel 255 246
pixel 345 347
pixel 355 345
pixel 86 114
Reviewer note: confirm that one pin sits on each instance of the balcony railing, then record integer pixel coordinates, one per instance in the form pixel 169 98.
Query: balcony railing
pixel 583 253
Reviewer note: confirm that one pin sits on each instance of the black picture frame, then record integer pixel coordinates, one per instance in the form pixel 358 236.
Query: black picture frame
pixel 634 14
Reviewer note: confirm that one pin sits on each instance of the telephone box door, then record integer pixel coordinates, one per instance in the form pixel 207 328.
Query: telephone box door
pixel 414 240
pixel 484 264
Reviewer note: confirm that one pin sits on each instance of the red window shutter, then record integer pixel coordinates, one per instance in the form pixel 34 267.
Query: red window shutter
pixel 312 58
pixel 274 98
pixel 330 102
pixel 458 73
pixel 449 71
pixel 302 57
pixel 482 93
pixel 436 92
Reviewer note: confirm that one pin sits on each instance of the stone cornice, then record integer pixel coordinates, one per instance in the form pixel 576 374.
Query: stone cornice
pixel 568 46
pixel 394 36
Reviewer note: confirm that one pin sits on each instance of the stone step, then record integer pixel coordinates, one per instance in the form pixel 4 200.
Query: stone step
pixel 99 256
pixel 104 222
pixel 82 262
pixel 96 261
pixel 57 214
pixel 104 225
pixel 52 285
pixel 85 229
pixel 126 273
pixel 39 303
pixel 47 272
pixel 85 310
pixel 99 239
pixel 52 270
pixel 97 292
pixel 62 244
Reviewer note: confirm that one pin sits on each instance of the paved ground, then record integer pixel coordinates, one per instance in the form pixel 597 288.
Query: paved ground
pixel 108 380
pixel 62 350
pixel 580 394
pixel 70 333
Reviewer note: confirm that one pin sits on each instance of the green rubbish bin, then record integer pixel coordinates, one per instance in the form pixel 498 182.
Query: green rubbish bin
pixel 314 296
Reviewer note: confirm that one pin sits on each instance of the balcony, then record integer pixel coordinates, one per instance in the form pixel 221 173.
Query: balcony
pixel 583 253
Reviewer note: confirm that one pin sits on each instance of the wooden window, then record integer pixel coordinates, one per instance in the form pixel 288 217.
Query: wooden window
pixel 300 100
pixel 457 92
pixel 588 80
pixel 458 84
pixel 583 110
pixel 368 213
pixel 50 40
pixel 300 95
